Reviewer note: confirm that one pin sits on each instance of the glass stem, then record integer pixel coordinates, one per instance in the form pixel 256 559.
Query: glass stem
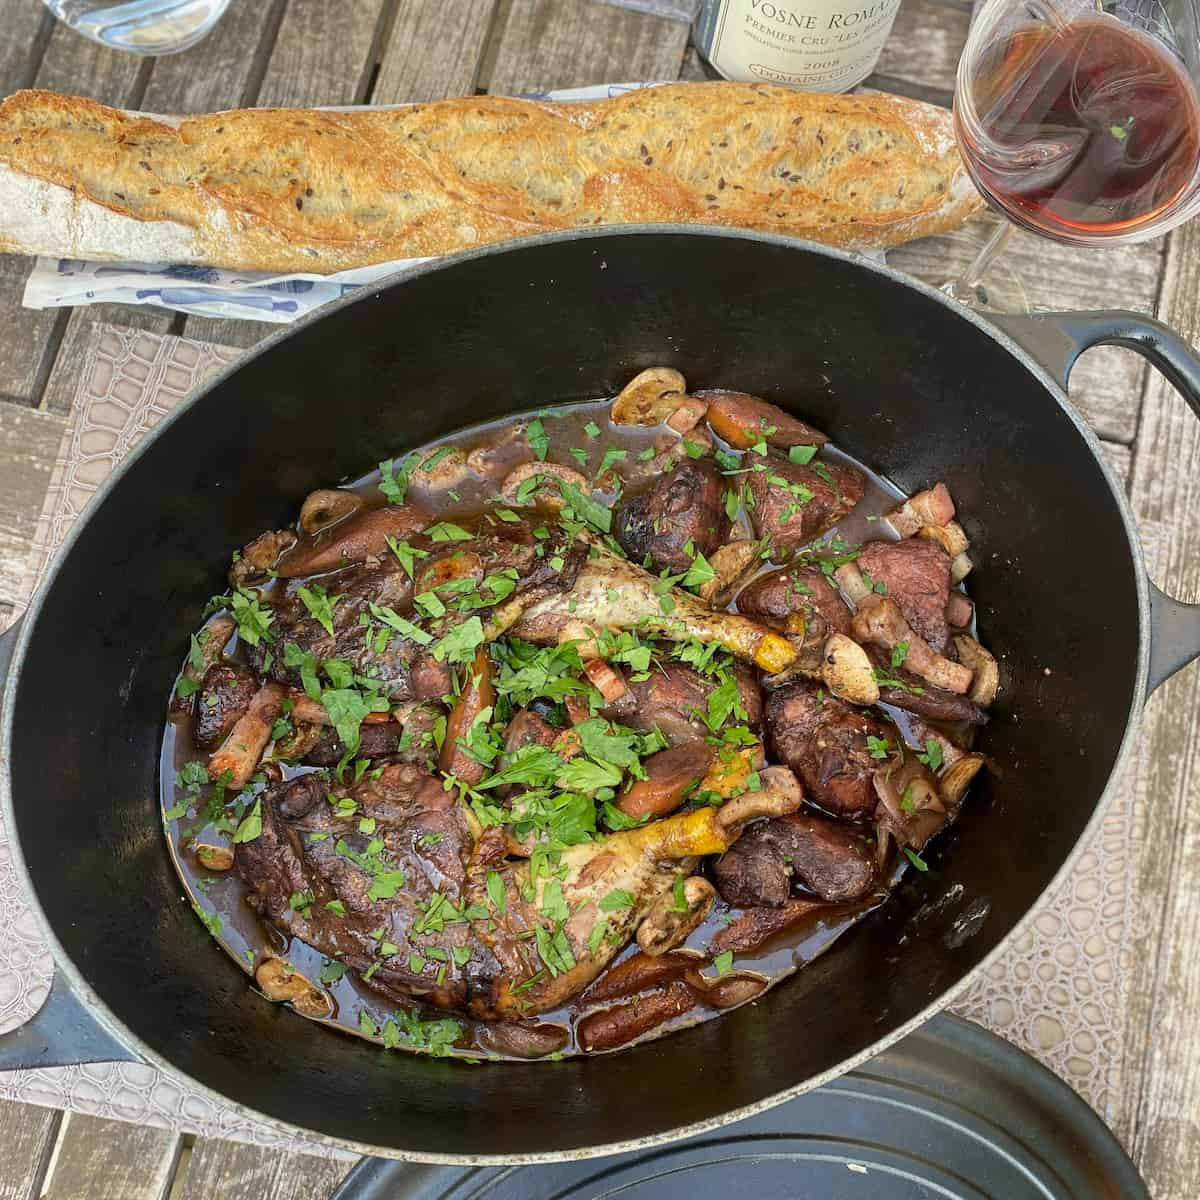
pixel 967 287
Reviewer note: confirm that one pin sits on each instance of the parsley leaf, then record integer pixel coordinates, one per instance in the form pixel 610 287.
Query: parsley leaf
pixel 394 489
pixel 539 443
pixel 250 826
pixel 899 654
pixel 879 747
pixel 253 619
pixel 616 900
pixel 700 572
pixel 496 892
pixel 447 531
pixel 801 455
pixel 723 962
pixel 320 605
pixel 460 644
pixel 933 756
pixel 401 625
pixel 916 860
pixel 584 508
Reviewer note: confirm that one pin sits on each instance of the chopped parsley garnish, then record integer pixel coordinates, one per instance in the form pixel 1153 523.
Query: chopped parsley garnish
pixel 801 455
pixel 460 644
pixel 404 627
pixel 584 508
pixel 592 429
pixel 878 747
pixel 678 896
pixel 332 970
pixel 616 900
pixel 899 654
pixel 253 618
pixel 496 892
pixel 250 826
pixel 406 555
pixel 723 962
pixel 933 757
pixel 916 860
pixel 539 443
pixel 320 605
pixel 447 531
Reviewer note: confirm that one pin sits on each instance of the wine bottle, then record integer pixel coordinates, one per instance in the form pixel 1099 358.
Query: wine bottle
pixel 816 45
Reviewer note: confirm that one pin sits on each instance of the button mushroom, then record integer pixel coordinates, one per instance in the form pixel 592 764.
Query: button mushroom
pixel 881 622
pixel 675 914
pixel 239 754
pixel 215 858
pixel 327 506
pixel 613 1027
pixel 727 991
pixel 957 777
pixel 986 681
pixel 847 671
pixel 732 564
pixel 650 397
pixel 545 493
pixel 281 982
pixel 518 1040
pixel 953 539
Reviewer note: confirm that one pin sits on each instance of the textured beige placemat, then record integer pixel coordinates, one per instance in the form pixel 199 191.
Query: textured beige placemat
pixel 1060 992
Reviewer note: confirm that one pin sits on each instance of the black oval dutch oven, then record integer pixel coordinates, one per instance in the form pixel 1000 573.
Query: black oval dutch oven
pixel 915 386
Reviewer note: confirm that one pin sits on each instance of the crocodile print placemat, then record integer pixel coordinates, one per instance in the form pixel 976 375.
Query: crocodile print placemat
pixel 1060 992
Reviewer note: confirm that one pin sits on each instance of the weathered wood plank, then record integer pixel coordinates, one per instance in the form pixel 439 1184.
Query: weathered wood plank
pixel 1162 1083
pixel 570 43
pixel 1107 384
pixel 233 1171
pixel 70 64
pixel 923 48
pixel 213 74
pixel 23 36
pixel 29 444
pixel 27 1134
pixel 1120 458
pixel 433 50
pixel 111 1159
pixel 323 54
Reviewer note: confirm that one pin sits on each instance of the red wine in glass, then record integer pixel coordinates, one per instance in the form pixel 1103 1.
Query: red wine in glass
pixel 1083 130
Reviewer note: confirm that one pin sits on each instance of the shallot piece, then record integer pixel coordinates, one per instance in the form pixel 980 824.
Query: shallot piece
pixel 881 623
pixel 934 506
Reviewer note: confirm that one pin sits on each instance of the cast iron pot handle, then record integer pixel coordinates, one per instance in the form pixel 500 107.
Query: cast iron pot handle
pixel 62 1032
pixel 1056 340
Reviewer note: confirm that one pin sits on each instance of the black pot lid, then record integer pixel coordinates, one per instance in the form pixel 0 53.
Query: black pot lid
pixel 950 1113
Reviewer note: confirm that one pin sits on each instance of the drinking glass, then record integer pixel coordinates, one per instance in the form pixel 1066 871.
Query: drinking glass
pixel 1079 121
pixel 142 26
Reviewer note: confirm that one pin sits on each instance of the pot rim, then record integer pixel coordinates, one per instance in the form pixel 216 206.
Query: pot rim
pixel 75 978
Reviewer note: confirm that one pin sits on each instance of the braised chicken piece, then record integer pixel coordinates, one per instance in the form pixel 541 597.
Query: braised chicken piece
pixel 676 518
pixel 790 505
pixel 825 741
pixel 411 904
pixel 225 693
pixel 915 574
pixel 801 851
pixel 674 700
pixel 540 744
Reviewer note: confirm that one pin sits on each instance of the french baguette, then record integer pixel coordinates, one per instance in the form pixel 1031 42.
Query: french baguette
pixel 323 190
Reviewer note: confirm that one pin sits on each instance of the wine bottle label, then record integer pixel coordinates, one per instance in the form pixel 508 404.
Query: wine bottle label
pixel 818 45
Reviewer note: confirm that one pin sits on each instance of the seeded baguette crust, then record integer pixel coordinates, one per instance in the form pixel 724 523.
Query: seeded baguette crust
pixel 323 191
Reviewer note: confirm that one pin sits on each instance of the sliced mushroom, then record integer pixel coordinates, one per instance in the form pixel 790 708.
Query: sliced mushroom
pixel 613 1027
pixel 847 671
pixel 215 858
pixel 732 563
pixel 934 506
pixel 951 537
pixel 261 555
pixel 881 623
pixel 547 494
pixel 910 806
pixel 960 567
pixel 670 775
pixel 212 640
pixel 757 925
pixel 986 671
pixel 327 506
pixel 517 1040
pixel 959 610
pixel 667 923
pixel 281 982
pixel 301 740
pixel 650 397
pixel 439 471
pixel 956 778
pixel 727 991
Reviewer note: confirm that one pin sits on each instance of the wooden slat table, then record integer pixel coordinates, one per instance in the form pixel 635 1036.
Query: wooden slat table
pixel 296 52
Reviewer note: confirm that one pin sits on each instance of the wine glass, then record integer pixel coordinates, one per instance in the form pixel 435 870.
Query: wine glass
pixel 1079 121
pixel 141 26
